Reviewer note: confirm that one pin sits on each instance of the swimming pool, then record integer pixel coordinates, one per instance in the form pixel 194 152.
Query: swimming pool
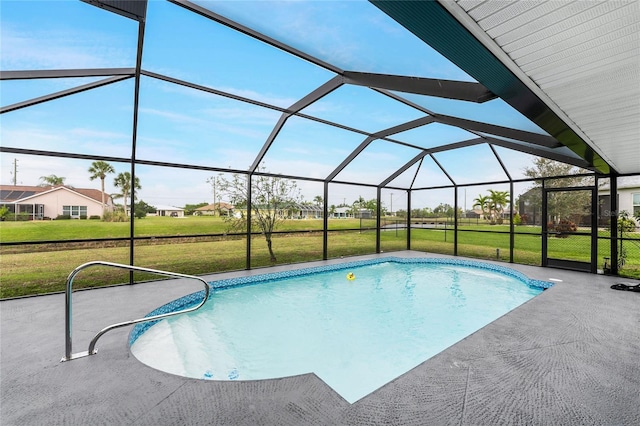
pixel 355 334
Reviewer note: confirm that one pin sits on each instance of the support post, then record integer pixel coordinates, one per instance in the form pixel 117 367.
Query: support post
pixel 325 225
pixel 249 201
pixel 613 216
pixel 408 219
pixel 512 237
pixel 378 210
pixel 455 221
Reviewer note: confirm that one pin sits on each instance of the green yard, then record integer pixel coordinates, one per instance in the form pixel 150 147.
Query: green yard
pixel 43 268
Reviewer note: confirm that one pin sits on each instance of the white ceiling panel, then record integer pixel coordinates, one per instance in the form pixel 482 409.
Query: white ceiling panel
pixel 583 57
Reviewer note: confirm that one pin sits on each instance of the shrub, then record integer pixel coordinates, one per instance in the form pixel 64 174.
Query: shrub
pixel 94 217
pixel 20 217
pixel 118 216
pixel 139 213
pixel 626 222
pixel 562 228
pixel 83 216
pixel 63 217
pixel 517 220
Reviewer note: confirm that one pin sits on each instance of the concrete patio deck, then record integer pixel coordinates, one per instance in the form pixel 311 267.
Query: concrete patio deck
pixel 569 356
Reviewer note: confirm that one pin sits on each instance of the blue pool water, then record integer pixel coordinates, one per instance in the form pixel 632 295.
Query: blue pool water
pixel 356 335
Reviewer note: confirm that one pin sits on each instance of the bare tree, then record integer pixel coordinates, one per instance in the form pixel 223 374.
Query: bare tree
pixel 272 200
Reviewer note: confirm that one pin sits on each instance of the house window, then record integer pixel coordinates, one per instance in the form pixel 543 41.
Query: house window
pixel 636 203
pixel 75 212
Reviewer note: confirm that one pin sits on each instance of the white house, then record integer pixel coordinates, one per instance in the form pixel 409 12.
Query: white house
pixel 41 202
pixel 628 195
pixel 169 211
pixel 342 213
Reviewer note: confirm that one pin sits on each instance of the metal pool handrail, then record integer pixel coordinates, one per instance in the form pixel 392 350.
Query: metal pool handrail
pixel 68 312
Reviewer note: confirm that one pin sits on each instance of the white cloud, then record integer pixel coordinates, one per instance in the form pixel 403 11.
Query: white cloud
pixel 99 134
pixel 56 49
pixel 167 87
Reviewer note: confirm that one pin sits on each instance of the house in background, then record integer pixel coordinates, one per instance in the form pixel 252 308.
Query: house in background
pixel 169 211
pixel 216 209
pixel 628 197
pixel 309 211
pixel 342 213
pixel 49 202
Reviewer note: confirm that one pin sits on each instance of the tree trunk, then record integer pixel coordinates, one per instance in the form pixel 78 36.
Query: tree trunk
pixel 269 246
pixel 102 185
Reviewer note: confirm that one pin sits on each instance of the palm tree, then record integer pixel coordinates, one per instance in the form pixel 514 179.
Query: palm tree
pixel 499 200
pixel 123 181
pixel 52 180
pixel 357 205
pixel 100 169
pixel 483 202
pixel 318 200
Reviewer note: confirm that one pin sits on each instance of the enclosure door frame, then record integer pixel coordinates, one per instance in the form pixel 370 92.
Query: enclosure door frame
pixel 591 266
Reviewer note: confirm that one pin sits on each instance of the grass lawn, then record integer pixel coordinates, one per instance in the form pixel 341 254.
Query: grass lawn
pixel 58 230
pixel 37 269
pixel 45 272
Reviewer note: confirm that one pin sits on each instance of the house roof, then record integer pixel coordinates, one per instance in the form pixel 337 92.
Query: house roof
pixel 18 193
pixel 309 207
pixel 11 193
pixel 214 206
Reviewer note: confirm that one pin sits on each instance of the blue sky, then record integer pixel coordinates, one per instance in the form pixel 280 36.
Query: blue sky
pixel 185 126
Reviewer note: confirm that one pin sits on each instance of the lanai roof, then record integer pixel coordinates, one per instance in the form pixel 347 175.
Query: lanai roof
pixel 572 67
pixel 550 79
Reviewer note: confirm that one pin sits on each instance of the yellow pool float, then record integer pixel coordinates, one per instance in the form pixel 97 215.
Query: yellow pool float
pixel 351 276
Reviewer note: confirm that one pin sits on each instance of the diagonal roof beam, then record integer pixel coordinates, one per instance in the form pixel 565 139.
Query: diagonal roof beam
pixel 382 134
pixel 404 168
pixel 435 160
pixel 415 175
pixel 578 162
pixel 474 126
pixel 258 103
pixel 504 168
pixel 521 135
pixel 312 97
pixel 455 145
pixel 75 73
pixel 449 89
pixel 424 153
pixel 63 93
pixel 255 34
pixel 208 90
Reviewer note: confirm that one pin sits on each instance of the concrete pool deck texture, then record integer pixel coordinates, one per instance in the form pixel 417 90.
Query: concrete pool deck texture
pixel 569 356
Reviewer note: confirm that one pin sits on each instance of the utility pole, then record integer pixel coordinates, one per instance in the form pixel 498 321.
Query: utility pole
pixel 214 181
pixel 15 172
pixel 215 197
pixel 392 204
